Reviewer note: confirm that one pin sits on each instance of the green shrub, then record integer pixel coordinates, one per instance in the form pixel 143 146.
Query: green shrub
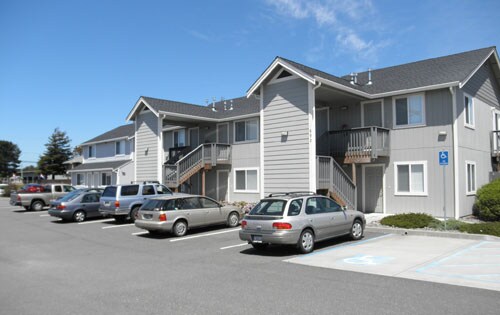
pixel 10 188
pixel 487 205
pixel 451 225
pixel 489 228
pixel 409 220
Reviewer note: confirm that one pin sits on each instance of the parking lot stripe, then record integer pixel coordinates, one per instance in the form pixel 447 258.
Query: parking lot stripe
pixel 203 235
pixel 232 246
pixel 117 226
pixel 97 221
pixel 140 233
pixel 45 215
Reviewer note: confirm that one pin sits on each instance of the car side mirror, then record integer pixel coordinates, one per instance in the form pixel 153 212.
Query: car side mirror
pixel 344 208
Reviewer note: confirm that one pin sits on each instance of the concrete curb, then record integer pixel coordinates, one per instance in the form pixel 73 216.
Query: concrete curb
pixel 477 237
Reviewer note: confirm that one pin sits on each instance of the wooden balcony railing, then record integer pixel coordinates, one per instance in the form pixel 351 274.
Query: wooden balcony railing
pixel 364 142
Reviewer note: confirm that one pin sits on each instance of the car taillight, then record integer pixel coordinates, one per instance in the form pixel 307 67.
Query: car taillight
pixel 243 224
pixel 61 207
pixel 117 204
pixel 163 217
pixel 282 226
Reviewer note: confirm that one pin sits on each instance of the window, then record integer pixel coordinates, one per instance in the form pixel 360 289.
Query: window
pixel 468 111
pixel 58 189
pixel 269 207
pixel 68 188
pixel 317 205
pixel 80 179
pixel 208 203
pixel 92 151
pixel 120 147
pixel 161 190
pixel 409 110
pixel 471 177
pixel 191 203
pixel 148 190
pixel 90 198
pixel 294 208
pixel 179 138
pixel 130 190
pixel 246 180
pixel 105 179
pixel 246 130
pixel 411 178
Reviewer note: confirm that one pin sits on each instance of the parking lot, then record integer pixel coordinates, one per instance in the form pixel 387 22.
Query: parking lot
pixel 51 267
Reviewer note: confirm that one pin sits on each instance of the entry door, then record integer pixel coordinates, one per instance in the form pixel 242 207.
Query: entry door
pixel 222 180
pixel 372 114
pixel 373 189
pixel 223 133
pixel 322 145
pixel 194 137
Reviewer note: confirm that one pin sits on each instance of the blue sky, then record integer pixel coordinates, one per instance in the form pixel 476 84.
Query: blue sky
pixel 81 65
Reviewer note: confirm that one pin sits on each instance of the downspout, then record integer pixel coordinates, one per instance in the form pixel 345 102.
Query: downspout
pixel 261 139
pixel 455 152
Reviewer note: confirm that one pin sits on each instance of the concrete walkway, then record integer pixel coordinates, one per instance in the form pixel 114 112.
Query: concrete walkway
pixel 465 262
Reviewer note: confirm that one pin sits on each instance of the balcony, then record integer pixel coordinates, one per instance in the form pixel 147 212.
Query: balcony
pixel 359 145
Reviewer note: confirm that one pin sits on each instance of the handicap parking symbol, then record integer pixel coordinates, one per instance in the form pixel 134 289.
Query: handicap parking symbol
pixel 367 260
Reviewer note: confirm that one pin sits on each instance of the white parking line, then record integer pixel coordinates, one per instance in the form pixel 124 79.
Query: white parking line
pixel 232 246
pixel 97 221
pixel 45 215
pixel 203 235
pixel 27 212
pixel 117 226
pixel 140 233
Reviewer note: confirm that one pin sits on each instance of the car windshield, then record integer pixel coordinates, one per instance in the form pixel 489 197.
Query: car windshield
pixel 269 207
pixel 70 196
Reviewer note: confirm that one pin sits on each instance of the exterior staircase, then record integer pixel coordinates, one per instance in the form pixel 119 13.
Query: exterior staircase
pixel 203 157
pixel 332 178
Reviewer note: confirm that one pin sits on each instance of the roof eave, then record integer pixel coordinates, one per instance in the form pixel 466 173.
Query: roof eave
pixel 108 140
pixel 279 62
pixel 494 53
pixel 134 110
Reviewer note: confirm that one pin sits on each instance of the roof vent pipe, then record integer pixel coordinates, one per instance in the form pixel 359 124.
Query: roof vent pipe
pixel 369 77
pixel 231 107
pixel 355 78
pixel 213 104
pixel 352 78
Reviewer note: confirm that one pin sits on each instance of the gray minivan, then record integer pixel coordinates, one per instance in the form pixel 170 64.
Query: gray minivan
pixel 122 202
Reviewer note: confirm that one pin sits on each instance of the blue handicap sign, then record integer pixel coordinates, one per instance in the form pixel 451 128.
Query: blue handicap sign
pixel 443 157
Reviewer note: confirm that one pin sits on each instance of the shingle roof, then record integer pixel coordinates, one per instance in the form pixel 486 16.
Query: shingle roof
pixel 99 166
pixel 447 69
pixel 241 106
pixel 119 132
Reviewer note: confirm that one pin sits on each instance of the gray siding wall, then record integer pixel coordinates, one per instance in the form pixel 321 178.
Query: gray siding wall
pixel 286 160
pixel 106 149
pixel 475 144
pixel 244 156
pixel 422 144
pixel 147 138
pixel 126 174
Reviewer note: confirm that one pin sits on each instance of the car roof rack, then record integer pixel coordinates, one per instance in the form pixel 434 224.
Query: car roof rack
pixel 291 193
pixel 144 182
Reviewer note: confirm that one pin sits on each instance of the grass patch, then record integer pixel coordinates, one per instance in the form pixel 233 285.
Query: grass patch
pixel 489 228
pixel 409 220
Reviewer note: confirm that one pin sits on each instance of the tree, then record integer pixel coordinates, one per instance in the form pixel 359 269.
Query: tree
pixel 9 158
pixel 58 151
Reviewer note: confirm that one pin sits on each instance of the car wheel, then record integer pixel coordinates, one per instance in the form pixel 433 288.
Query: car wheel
pixel 305 244
pixel 37 205
pixel 27 208
pixel 233 219
pixel 259 246
pixel 180 228
pixel 121 219
pixel 356 230
pixel 79 216
pixel 134 214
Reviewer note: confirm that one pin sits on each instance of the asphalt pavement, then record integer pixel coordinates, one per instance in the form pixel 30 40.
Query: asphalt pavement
pixel 51 267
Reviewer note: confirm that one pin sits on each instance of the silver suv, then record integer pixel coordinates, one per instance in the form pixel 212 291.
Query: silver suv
pixel 301 219
pixel 122 202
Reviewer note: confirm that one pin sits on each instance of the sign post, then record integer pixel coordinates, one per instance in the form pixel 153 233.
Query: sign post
pixel 443 161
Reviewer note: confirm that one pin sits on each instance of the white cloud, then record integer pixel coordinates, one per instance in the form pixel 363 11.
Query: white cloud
pixel 347 20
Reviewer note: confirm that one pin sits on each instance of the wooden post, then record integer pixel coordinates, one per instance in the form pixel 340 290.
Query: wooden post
pixel 353 167
pixel 203 182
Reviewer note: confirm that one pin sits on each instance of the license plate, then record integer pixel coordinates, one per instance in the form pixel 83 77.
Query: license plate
pixel 147 216
pixel 107 203
pixel 257 238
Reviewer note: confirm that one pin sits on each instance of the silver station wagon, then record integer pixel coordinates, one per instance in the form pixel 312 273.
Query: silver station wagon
pixel 176 214
pixel 300 219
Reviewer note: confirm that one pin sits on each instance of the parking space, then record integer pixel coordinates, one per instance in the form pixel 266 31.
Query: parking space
pixel 446 260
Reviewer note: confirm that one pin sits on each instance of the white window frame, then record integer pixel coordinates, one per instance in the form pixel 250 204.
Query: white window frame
pixel 468 178
pixel 408 125
pixel 94 151
pixel 246 120
pixel 469 122
pixel 246 176
pixel 410 193
pixel 122 145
